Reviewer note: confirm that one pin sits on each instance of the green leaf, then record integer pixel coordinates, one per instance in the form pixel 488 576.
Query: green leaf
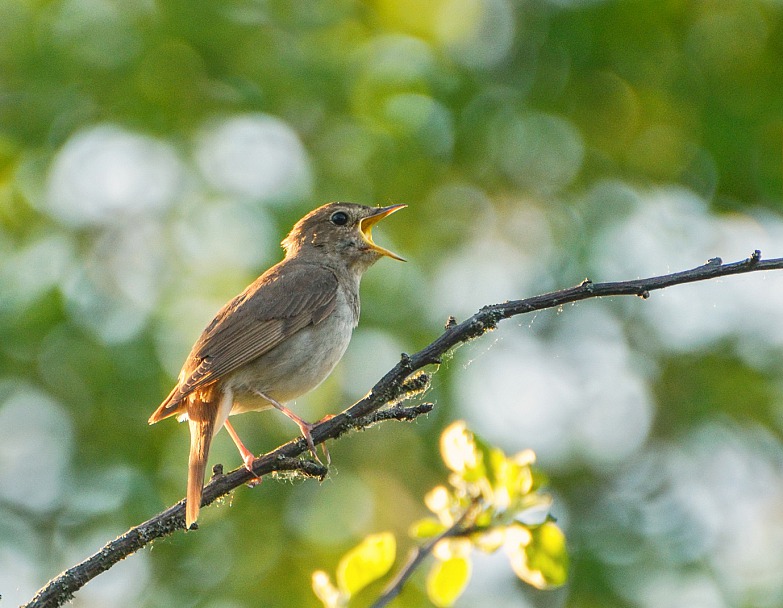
pixel 426 528
pixel 367 562
pixel 447 580
pixel 488 456
pixel 539 556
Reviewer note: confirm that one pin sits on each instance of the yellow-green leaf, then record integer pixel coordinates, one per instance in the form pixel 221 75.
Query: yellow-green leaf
pixel 447 580
pixel 367 562
pixel 426 528
pixel 516 479
pixel 488 456
pixel 540 558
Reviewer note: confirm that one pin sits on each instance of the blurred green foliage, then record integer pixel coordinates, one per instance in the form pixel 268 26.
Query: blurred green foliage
pixel 153 154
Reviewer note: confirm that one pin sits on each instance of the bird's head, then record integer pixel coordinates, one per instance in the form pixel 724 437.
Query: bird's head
pixel 340 233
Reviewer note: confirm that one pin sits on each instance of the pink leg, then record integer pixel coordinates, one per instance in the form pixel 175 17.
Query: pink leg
pixel 247 456
pixel 304 426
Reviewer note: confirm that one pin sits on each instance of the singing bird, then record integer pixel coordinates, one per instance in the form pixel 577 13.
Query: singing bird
pixel 279 338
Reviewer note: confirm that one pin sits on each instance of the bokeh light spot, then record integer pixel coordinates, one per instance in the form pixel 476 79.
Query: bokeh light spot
pixel 477 33
pixel 331 513
pixel 105 174
pixel 422 117
pixel 541 152
pixel 100 33
pixel 35 436
pixel 254 156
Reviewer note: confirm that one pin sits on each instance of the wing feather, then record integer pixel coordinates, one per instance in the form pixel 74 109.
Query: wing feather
pixel 281 302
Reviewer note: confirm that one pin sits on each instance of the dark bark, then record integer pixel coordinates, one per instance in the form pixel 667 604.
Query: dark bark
pixel 404 380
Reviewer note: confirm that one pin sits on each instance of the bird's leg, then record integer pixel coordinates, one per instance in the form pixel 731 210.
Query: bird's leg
pixel 247 456
pixel 304 426
pixel 323 445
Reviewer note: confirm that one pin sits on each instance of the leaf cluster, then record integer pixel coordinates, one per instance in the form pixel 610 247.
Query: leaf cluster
pixel 491 502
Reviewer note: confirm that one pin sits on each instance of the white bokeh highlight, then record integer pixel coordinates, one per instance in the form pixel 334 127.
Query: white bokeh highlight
pixel 575 398
pixel 19 575
pixel 369 356
pixel 254 156
pixel 123 585
pixel 108 175
pixel 218 234
pixel 28 272
pixel 709 509
pixel 117 288
pixel 500 250
pixel 36 443
pixel 671 229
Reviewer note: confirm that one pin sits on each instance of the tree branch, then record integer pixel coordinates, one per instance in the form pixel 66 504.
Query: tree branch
pixel 399 383
pixel 419 554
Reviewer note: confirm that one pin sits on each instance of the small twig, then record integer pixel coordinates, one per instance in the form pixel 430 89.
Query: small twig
pixel 388 390
pixel 418 555
pixel 397 412
pixel 308 468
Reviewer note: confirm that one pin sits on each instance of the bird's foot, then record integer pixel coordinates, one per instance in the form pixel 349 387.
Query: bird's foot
pixel 327 456
pixel 247 456
pixel 306 429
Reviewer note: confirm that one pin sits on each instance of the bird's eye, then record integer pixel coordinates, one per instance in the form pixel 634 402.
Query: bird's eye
pixel 339 218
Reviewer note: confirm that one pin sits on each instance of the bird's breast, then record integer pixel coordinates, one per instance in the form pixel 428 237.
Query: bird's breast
pixel 297 365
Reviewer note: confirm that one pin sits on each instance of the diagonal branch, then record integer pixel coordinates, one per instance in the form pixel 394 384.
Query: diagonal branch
pixel 399 383
pixel 419 554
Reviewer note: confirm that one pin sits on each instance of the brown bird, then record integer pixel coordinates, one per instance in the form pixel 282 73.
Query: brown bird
pixel 278 339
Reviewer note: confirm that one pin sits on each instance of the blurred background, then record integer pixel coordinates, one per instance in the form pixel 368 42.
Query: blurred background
pixel 154 153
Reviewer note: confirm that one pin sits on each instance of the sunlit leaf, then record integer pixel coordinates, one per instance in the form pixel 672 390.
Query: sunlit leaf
pixel 484 519
pixel 491 541
pixel 539 480
pixel 325 591
pixel 486 455
pixel 524 458
pixel 518 478
pixel 459 451
pixel 367 562
pixel 539 556
pixel 533 509
pixel 452 547
pixel 498 465
pixel 447 580
pixel 426 528
pixel 439 500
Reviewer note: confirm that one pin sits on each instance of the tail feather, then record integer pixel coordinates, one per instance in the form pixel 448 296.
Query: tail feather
pixel 171 406
pixel 201 419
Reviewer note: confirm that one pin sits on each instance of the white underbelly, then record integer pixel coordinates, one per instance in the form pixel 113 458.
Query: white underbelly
pixel 296 366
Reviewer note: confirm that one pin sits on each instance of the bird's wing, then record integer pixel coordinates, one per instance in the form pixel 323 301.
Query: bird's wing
pixel 278 304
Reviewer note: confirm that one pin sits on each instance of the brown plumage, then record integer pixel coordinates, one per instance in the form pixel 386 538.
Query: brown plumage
pixel 280 337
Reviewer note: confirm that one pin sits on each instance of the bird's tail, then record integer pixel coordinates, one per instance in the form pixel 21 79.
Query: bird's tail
pixel 201 419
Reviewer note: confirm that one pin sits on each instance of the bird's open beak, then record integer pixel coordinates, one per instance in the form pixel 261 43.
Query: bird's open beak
pixel 366 224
